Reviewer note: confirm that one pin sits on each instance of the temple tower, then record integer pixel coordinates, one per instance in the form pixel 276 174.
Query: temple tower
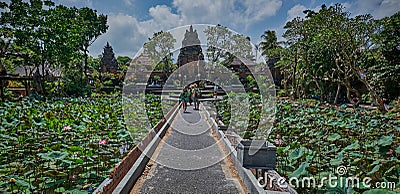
pixel 108 62
pixel 191 49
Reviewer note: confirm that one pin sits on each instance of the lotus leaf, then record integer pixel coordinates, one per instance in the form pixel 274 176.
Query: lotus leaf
pixel 301 170
pixel 339 186
pixel 337 161
pixel 75 191
pixel 385 140
pixel 297 153
pixel 375 169
pixel 398 150
pixel 53 155
pixel 333 137
pixel 379 191
pixel 352 146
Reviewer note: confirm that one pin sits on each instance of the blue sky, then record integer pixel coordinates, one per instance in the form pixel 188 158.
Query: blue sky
pixel 131 22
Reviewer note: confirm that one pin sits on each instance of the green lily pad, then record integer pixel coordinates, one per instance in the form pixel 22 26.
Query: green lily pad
pixel 375 169
pixel 296 153
pixel 379 191
pixel 333 137
pixel 300 171
pixel 339 186
pixel 352 146
pixel 22 183
pixel 337 161
pixel 75 148
pixel 53 155
pixel 59 189
pixel 385 141
pixel 38 121
pixel 398 150
pixel 287 107
pixel 76 191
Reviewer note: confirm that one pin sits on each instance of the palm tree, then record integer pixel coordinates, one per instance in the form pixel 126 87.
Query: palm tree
pixel 270 41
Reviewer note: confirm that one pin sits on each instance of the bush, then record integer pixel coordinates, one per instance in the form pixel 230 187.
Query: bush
pixel 73 84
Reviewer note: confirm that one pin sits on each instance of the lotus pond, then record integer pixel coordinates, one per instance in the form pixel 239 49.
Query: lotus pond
pixel 65 145
pixel 314 139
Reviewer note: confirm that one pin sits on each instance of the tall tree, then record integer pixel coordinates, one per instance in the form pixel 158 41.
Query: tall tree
pixel 223 45
pixel 90 25
pixel 44 35
pixel 159 49
pixel 270 42
pixel 384 62
pixel 328 45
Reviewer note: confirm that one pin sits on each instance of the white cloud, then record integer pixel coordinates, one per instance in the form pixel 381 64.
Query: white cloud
pixel 230 12
pixel 123 35
pixel 377 8
pixel 126 34
pixel 206 11
pixel 259 9
pixel 77 3
pixel 128 2
pixel 296 11
pixel 162 19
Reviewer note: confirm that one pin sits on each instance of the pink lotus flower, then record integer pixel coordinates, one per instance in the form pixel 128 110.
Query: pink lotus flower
pixel 102 142
pixel 277 142
pixel 296 105
pixel 67 127
pixel 278 136
pixel 259 105
pixel 389 152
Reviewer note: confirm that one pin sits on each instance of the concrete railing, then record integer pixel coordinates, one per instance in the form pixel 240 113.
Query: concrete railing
pixel 126 173
pixel 230 141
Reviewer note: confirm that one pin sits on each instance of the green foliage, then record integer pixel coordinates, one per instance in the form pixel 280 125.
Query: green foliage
pixel 38 33
pixel 317 138
pixel 329 48
pixel 55 145
pixel 220 40
pixel 72 85
pixel 159 48
pixel 385 61
pixel 269 44
pixel 224 110
pixel 327 136
pixel 123 62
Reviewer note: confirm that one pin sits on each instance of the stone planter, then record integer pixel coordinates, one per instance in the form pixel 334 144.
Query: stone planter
pixel 258 154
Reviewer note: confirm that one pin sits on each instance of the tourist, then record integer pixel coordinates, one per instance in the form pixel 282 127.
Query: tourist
pixel 195 96
pixel 215 91
pixel 185 98
pixel 190 97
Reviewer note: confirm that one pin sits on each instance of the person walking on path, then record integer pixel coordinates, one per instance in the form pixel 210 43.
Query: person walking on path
pixel 185 98
pixel 191 96
pixel 215 91
pixel 195 96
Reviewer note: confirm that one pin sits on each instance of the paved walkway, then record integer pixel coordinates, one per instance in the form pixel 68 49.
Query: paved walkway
pixel 189 160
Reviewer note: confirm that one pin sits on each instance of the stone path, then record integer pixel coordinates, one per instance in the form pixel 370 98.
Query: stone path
pixel 189 160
